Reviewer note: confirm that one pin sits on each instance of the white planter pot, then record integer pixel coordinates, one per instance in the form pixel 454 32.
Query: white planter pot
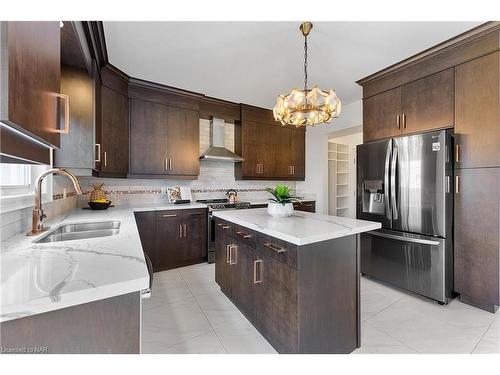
pixel 279 210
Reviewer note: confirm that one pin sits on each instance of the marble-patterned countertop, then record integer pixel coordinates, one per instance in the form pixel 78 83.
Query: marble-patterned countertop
pixel 37 278
pixel 301 228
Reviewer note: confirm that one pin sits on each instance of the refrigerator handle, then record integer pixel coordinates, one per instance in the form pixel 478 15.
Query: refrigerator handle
pixel 386 181
pixel 394 203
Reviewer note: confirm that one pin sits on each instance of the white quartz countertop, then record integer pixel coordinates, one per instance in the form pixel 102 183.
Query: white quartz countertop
pixel 301 229
pixel 37 278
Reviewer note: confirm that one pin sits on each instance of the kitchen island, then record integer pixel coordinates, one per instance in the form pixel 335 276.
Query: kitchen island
pixel 296 279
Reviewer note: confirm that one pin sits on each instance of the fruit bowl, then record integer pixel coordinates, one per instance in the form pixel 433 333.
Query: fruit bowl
pixel 99 205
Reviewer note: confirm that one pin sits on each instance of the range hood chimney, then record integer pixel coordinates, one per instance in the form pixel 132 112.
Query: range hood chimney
pixel 217 150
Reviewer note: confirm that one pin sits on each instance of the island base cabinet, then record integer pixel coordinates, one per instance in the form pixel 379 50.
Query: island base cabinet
pixel 303 299
pixel 108 326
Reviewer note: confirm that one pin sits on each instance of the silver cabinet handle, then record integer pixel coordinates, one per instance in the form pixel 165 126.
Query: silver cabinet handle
pixel 293 169
pixel 394 203
pixel 231 259
pixel 166 164
pixel 259 264
pixel 185 230
pixel 448 184
pixel 457 153
pixel 243 234
pixel 169 215
pixel 388 212
pixel 98 152
pixel 228 259
pixel 457 184
pixel 169 164
pixel 274 248
pixel 105 159
pixel 65 97
pixel 223 226
pixel 404 121
pixel 180 230
pixel 398 121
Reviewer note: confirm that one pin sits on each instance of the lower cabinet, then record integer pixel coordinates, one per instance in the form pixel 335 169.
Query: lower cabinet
pixel 173 238
pixel 477 237
pixel 306 306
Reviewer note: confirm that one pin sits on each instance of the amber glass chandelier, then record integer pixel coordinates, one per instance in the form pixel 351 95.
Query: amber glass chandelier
pixel 306 107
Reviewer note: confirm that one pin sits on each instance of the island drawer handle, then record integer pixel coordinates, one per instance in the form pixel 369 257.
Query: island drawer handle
pixel 243 234
pixel 231 260
pixel 255 279
pixel 275 248
pixel 224 226
pixel 169 215
pixel 228 254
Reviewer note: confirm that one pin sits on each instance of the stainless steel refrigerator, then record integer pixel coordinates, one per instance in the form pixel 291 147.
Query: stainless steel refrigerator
pixel 406 184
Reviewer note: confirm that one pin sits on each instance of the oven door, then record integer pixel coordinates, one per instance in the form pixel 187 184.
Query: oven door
pixel 413 262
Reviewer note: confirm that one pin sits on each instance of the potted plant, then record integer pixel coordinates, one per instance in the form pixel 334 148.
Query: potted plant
pixel 281 204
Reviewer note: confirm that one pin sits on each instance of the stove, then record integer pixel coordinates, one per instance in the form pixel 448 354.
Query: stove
pixel 218 205
pixel 223 204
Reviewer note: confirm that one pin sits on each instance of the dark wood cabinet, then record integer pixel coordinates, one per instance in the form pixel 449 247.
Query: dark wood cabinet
pixel 114 133
pixel 148 138
pixel 183 142
pixel 222 266
pixel 275 296
pixel 306 206
pixel 145 222
pixel 173 238
pixel 271 151
pixel 477 238
pixel 427 104
pixel 381 115
pixel 477 112
pixel 32 75
pixel 423 105
pixel 285 290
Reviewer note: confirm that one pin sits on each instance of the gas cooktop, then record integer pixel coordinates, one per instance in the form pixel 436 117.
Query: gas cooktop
pixel 223 204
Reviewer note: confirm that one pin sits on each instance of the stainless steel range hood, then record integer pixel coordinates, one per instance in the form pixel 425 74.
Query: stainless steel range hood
pixel 217 150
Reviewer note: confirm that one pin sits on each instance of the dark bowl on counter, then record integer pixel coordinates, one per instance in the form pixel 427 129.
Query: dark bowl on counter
pixel 100 205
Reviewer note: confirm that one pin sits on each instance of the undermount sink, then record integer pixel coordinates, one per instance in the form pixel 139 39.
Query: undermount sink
pixel 79 231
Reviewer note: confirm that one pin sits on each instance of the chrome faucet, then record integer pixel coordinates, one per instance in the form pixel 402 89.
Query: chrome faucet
pixel 38 214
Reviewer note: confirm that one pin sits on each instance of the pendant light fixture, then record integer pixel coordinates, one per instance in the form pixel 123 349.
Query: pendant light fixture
pixel 306 107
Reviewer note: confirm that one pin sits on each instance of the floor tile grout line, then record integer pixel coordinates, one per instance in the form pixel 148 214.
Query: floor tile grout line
pixel 395 338
pixel 482 336
pixel 205 315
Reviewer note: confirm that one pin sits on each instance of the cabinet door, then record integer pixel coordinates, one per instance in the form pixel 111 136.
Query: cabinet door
pixel 241 262
pixel 283 160
pixel 183 142
pixel 146 226
pixel 222 268
pixel 299 153
pixel 381 115
pixel 195 235
pixel 148 137
pixel 169 245
pixel 250 148
pixel 477 241
pixel 269 150
pixel 34 66
pixel 477 112
pixel 276 302
pixel 427 103
pixel 114 133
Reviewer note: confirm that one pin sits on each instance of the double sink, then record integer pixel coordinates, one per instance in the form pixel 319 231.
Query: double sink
pixel 80 231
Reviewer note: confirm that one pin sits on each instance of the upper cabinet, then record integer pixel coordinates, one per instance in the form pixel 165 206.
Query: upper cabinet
pixel 477 112
pixel 30 55
pixel 271 151
pixel 421 105
pixel 164 139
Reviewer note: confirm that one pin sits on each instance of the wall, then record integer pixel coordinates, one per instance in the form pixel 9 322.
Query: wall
pixel 316 182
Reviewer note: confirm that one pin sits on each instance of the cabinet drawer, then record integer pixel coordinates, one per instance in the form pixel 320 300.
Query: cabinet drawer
pixel 168 214
pixel 244 235
pixel 225 227
pixel 282 251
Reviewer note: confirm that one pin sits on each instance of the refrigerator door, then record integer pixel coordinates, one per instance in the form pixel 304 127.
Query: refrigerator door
pixel 418 176
pixel 372 200
pixel 413 262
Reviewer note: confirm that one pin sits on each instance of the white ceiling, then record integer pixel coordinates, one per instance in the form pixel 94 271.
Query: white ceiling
pixel 253 62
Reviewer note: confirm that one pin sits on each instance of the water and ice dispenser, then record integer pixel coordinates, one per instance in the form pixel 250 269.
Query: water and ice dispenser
pixel 373 197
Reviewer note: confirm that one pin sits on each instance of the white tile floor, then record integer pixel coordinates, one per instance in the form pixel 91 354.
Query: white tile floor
pixel 188 313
